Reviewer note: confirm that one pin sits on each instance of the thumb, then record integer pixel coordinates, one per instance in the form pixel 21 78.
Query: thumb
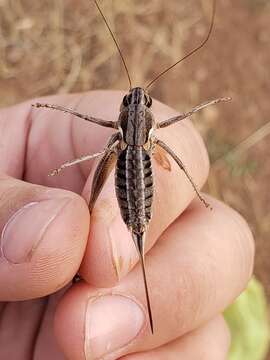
pixel 43 237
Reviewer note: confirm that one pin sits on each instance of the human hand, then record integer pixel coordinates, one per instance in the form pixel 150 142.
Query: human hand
pixel 197 260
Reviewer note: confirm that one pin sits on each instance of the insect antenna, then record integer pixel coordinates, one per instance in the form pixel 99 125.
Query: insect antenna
pixel 115 41
pixel 190 53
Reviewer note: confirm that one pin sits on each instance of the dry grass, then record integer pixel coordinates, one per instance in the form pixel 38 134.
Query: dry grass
pixel 62 46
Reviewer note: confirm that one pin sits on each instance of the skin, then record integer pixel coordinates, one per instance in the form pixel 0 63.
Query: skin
pixel 198 261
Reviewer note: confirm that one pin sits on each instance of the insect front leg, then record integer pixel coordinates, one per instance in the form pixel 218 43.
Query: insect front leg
pixel 183 116
pixel 101 122
pixel 182 167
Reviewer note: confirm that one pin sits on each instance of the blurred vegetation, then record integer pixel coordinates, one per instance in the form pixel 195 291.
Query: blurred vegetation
pixel 249 325
pixel 56 46
pixel 62 46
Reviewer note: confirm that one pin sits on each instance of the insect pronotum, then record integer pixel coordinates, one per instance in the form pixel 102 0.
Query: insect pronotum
pixel 131 148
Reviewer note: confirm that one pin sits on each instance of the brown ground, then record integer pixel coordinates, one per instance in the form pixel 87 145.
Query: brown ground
pixel 62 46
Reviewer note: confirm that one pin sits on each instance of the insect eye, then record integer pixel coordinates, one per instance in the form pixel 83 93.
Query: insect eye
pixel 125 100
pixel 148 101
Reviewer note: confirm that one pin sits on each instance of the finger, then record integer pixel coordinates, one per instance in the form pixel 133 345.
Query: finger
pixel 50 138
pixel 208 342
pixel 43 236
pixel 60 137
pixel 110 252
pixel 15 124
pixel 200 264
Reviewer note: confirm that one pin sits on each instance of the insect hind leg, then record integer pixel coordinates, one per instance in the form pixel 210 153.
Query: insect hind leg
pixel 182 167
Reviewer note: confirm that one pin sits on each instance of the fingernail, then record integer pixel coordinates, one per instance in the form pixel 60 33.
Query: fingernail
pixel 112 321
pixel 124 253
pixel 25 229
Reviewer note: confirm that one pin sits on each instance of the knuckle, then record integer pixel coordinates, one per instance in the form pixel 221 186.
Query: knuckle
pixel 202 158
pixel 190 297
pixel 211 341
pixel 247 247
pixel 244 246
pixel 218 340
pixel 193 151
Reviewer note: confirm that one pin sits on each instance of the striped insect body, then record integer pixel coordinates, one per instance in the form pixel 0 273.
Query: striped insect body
pixel 129 150
pixel 134 187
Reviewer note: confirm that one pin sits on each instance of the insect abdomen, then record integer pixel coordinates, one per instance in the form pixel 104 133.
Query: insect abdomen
pixel 134 187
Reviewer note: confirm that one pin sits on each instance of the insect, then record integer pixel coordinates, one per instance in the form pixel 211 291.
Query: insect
pixel 130 150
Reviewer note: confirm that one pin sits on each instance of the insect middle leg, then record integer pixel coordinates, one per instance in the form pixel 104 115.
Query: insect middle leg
pixel 74 162
pixel 79 160
pixel 182 167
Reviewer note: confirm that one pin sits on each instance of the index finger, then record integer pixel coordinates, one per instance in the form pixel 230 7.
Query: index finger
pixel 110 252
